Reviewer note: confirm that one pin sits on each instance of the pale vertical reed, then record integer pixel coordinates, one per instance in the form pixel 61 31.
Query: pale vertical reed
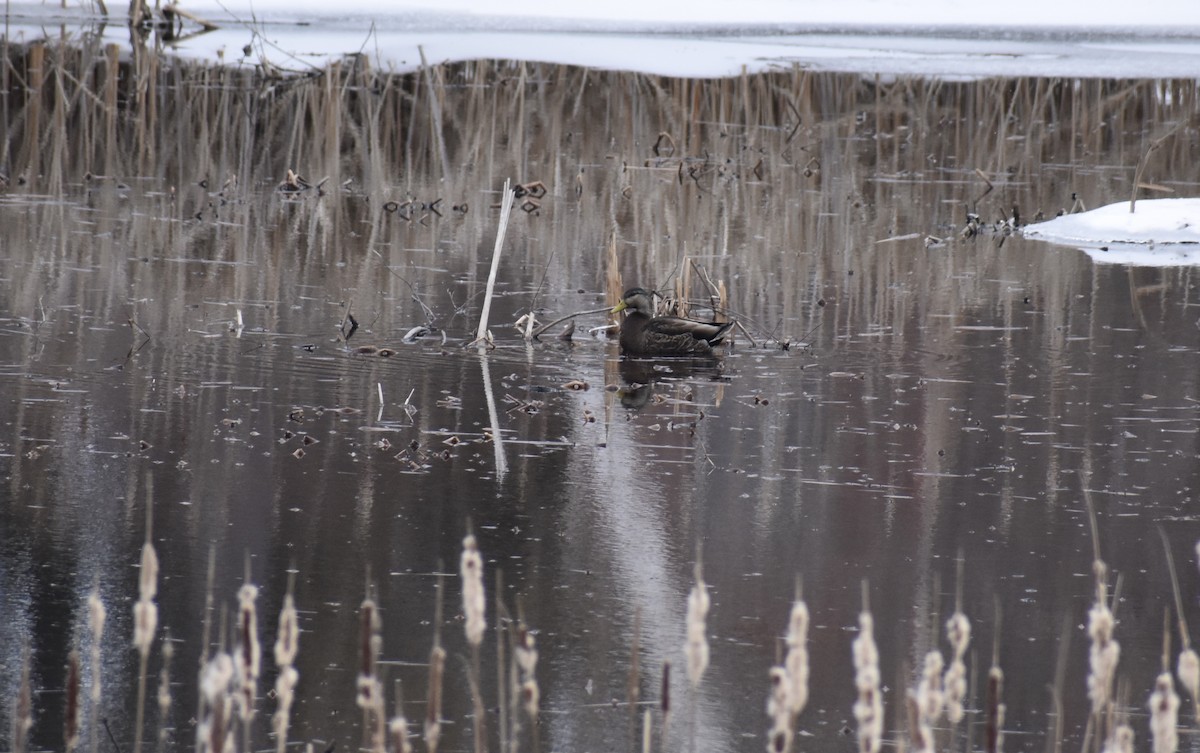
pixel 71 717
pixel 145 621
pixel 96 616
pixel 287 645
pixel 868 708
pixel 474 612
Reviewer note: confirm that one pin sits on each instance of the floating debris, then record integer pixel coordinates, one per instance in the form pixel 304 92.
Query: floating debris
pixel 299 453
pixel 577 384
pixel 416 333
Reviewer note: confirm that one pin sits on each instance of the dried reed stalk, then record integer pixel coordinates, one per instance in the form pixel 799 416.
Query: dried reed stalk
pixel 506 203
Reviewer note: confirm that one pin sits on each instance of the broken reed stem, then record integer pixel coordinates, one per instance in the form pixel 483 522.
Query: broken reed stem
pixel 506 204
pixel 537 332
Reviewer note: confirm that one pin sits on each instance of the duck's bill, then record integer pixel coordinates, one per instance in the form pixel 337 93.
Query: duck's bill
pixel 619 307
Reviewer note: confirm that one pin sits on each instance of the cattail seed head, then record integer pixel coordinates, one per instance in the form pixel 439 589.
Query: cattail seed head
pixel 1188 670
pixel 1121 740
pixel 433 704
pixel 145 612
pixel 287 642
pixel 868 709
pixel 1164 715
pixel 696 648
pixel 796 662
pixel 474 602
pixel 958 633
pixel 249 655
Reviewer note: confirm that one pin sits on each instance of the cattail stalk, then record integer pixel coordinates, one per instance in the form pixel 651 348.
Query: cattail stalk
pixel 1104 651
pixel 868 709
pixel 664 703
pixel 287 645
pixel 1121 740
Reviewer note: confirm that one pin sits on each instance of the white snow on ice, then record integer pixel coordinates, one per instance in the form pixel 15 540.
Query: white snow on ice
pixel 1160 232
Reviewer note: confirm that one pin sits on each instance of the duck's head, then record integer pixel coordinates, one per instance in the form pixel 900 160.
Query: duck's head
pixel 636 299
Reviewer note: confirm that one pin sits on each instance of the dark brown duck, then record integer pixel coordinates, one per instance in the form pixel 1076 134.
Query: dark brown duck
pixel 644 334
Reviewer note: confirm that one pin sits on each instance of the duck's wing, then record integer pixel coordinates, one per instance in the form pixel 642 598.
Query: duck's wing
pixel 670 326
pixel 658 343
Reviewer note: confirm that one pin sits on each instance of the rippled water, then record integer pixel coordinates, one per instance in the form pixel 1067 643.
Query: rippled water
pixel 169 343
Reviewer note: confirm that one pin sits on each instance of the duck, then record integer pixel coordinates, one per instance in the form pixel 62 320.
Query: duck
pixel 644 334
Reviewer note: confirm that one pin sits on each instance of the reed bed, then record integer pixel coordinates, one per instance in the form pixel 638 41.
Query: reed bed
pixel 270 176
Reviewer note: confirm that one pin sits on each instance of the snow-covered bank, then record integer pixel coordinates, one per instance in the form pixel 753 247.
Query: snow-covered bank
pixel 1160 232
pixel 1152 39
